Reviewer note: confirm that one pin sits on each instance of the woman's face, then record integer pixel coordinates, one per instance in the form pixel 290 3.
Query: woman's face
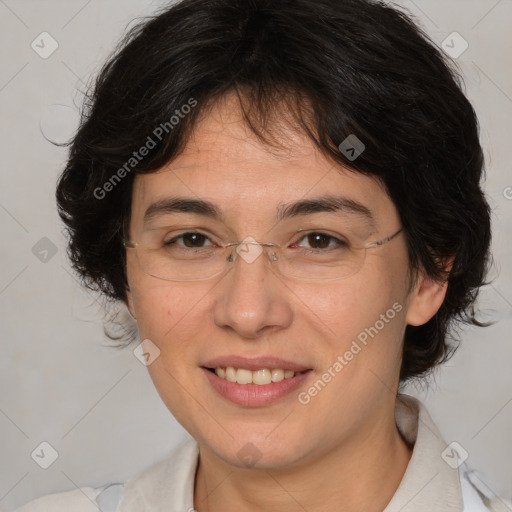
pixel 253 312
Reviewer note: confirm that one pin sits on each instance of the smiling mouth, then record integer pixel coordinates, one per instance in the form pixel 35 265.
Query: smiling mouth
pixel 260 377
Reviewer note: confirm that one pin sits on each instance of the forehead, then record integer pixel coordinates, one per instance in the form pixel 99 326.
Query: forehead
pixel 225 163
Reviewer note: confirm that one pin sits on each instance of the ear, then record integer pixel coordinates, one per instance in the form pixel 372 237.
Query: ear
pixel 426 298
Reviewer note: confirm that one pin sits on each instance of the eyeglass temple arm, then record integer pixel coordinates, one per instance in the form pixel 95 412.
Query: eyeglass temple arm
pixel 377 243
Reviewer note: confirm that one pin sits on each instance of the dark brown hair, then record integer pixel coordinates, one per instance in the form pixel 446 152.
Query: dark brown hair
pixel 341 67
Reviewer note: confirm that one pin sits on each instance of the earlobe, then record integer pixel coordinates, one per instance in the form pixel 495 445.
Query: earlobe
pixel 426 299
pixel 428 294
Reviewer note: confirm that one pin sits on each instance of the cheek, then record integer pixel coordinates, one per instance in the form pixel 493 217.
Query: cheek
pixel 362 317
pixel 157 305
pixel 169 316
pixel 344 310
pixel 166 312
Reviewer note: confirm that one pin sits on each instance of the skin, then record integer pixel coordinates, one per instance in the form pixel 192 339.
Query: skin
pixel 342 451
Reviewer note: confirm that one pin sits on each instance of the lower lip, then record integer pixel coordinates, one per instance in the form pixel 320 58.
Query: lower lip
pixel 254 395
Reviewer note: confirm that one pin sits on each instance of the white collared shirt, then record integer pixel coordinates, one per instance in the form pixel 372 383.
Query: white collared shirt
pixel 433 481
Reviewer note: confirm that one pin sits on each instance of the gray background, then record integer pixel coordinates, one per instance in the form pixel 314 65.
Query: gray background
pixel 96 405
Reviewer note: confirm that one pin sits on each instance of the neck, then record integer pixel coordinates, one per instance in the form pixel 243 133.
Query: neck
pixel 359 474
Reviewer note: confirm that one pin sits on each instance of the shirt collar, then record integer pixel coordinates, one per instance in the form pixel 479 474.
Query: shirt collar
pixel 429 483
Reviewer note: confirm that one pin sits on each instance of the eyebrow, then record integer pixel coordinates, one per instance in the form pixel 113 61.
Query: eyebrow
pixel 182 205
pixel 328 203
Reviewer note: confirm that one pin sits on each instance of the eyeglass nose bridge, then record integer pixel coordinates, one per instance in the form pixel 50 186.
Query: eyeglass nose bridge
pixel 249 256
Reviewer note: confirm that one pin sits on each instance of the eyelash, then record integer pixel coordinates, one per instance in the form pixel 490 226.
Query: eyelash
pixel 341 243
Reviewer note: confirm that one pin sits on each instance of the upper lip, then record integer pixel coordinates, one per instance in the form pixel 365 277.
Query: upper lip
pixel 254 363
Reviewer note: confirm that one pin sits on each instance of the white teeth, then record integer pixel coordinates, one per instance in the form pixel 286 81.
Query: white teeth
pixel 231 374
pixel 244 376
pixel 259 377
pixel 277 375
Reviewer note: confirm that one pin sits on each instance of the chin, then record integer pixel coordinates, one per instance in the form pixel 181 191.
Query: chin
pixel 259 451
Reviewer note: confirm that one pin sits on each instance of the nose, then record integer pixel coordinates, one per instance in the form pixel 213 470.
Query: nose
pixel 252 299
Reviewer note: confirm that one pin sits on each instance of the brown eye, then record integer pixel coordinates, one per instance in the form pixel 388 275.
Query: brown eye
pixel 194 239
pixel 319 240
pixel 191 240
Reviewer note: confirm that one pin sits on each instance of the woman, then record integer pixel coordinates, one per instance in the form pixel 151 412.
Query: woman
pixel 279 193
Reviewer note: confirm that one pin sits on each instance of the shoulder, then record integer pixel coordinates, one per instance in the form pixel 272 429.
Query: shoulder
pixel 84 499
pixel 169 480
pixel 457 486
pixel 477 496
